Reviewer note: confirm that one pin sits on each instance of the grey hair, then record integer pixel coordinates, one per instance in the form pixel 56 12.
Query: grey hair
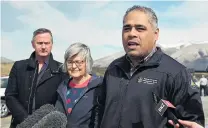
pixel 80 50
pixel 41 31
pixel 152 16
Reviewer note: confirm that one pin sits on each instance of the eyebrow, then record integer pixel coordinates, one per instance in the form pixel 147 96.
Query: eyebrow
pixel 137 25
pixel 43 42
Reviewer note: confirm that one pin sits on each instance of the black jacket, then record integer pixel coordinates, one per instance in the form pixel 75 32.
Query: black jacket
pixel 21 83
pixel 84 112
pixel 128 101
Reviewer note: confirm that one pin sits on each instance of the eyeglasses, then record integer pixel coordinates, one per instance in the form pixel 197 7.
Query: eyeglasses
pixel 78 63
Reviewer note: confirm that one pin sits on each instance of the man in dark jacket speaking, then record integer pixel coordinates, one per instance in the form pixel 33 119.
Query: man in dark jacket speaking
pixel 135 83
pixel 33 82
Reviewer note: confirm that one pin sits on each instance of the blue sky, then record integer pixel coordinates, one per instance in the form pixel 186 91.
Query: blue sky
pixel 97 24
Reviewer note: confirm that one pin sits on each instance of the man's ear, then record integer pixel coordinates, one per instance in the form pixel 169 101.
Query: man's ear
pixel 33 45
pixel 157 34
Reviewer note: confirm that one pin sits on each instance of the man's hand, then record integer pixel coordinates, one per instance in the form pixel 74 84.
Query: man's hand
pixel 187 124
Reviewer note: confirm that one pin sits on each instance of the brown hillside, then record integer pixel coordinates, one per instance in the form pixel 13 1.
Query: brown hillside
pixel 5 68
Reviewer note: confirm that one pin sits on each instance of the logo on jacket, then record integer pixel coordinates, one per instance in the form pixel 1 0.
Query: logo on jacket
pixel 146 80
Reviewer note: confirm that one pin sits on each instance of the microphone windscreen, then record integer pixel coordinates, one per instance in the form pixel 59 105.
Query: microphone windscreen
pixel 54 119
pixel 37 115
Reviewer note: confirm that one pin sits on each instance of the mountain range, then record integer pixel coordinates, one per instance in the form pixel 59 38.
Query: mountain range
pixel 193 56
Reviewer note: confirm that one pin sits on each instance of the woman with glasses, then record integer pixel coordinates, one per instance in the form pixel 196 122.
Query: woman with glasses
pixel 78 95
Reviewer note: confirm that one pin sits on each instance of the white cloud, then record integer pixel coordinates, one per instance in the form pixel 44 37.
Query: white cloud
pixel 40 14
pixel 65 31
pixel 96 4
pixel 6 45
pixel 111 14
pixel 188 10
pixel 15 46
pixel 192 12
pixel 172 37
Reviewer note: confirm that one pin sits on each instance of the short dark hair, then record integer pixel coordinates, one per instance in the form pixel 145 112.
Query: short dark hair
pixel 152 16
pixel 41 31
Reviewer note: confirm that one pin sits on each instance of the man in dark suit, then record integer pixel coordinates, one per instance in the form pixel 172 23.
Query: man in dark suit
pixel 33 82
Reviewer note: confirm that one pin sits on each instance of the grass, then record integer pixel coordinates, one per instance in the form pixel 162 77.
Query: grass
pixel 5 68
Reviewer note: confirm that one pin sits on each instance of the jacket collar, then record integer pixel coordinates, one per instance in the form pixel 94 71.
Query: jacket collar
pixel 32 63
pixel 94 82
pixel 51 63
pixel 154 60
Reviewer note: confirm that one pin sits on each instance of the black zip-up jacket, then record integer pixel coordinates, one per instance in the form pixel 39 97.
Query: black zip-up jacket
pixel 128 101
pixel 22 88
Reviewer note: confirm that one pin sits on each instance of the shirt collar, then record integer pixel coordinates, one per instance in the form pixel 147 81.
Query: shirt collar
pixel 46 60
pixel 143 60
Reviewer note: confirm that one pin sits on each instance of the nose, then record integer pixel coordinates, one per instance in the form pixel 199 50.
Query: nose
pixel 133 32
pixel 74 65
pixel 43 45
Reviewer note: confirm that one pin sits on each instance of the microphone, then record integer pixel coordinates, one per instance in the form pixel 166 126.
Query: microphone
pixel 42 115
pixel 54 119
pixel 164 106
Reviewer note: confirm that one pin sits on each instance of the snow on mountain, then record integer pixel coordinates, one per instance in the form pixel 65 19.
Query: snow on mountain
pixel 192 55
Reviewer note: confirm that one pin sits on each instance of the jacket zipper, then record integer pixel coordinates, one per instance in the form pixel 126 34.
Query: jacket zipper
pixel 31 89
pixel 62 97
pixel 78 99
pixel 123 95
pixel 122 102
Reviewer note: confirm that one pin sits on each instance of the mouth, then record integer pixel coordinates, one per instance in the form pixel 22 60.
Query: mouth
pixel 75 70
pixel 43 51
pixel 132 44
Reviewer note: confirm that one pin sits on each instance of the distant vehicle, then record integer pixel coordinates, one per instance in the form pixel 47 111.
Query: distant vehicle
pixel 3 108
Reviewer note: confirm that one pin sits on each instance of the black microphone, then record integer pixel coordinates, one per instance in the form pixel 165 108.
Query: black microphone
pixel 164 106
pixel 40 115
